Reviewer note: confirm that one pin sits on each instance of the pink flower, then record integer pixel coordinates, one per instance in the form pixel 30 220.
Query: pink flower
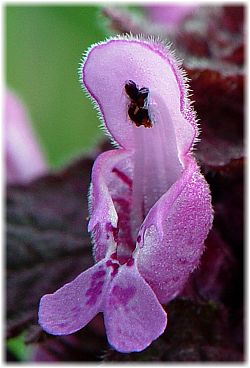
pixel 23 157
pixel 150 207
pixel 169 15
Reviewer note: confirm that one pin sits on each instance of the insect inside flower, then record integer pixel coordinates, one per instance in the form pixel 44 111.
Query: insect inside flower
pixel 138 107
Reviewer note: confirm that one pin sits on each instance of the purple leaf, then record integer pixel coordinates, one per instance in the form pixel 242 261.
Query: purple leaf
pixel 221 126
pixel 216 277
pixel 47 242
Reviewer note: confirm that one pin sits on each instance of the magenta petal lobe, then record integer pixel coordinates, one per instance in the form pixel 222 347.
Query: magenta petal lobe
pixel 133 316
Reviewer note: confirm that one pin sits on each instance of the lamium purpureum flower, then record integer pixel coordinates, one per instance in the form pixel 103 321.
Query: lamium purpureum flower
pixel 150 207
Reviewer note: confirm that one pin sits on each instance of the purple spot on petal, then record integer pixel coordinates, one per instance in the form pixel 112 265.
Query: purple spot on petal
pixel 76 309
pixel 93 294
pixel 115 266
pixel 115 234
pixel 130 262
pixel 108 227
pixel 97 288
pixel 109 263
pixel 122 176
pixel 138 239
pixel 92 300
pixel 98 275
pixel 121 296
pixel 115 270
pixel 88 292
pixel 113 256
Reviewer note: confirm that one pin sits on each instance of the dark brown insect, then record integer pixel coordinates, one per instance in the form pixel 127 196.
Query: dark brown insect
pixel 138 107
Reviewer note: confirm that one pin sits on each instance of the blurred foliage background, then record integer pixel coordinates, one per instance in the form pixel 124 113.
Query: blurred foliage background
pixel 44 46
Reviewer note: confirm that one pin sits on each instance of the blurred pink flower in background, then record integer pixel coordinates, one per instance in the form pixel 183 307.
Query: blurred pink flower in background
pixel 169 15
pixel 24 159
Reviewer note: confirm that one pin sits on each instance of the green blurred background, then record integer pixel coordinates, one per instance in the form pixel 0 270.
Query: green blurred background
pixel 44 45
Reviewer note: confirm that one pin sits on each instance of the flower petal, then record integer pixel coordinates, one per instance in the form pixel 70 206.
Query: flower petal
pixel 133 316
pixel 173 234
pixel 169 15
pixel 75 304
pixel 111 180
pixel 110 64
pixel 24 158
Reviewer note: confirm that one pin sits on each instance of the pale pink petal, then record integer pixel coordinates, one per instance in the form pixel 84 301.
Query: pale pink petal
pixel 75 304
pixel 24 158
pixel 133 316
